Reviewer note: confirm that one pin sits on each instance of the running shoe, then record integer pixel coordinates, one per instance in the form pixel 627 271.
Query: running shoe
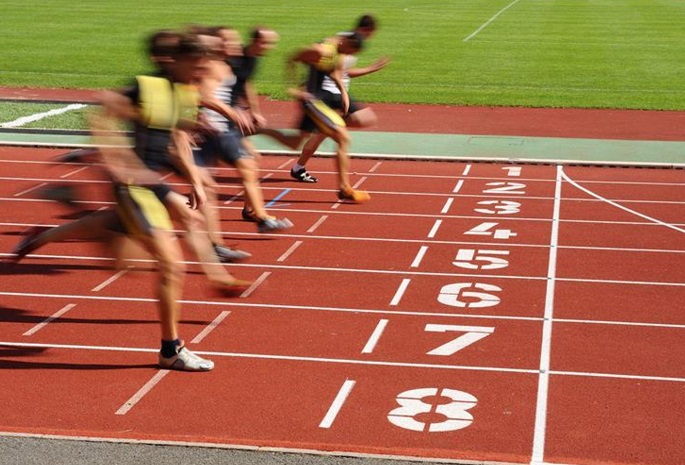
pixel 273 225
pixel 229 255
pixel 62 193
pixel 302 175
pixel 353 195
pixel 29 243
pixel 185 360
pixel 77 156
pixel 249 215
pixel 234 288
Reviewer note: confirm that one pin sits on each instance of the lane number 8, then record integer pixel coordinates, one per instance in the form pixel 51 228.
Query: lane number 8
pixel 453 412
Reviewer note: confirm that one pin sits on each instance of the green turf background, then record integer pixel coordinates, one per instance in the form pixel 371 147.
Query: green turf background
pixel 551 53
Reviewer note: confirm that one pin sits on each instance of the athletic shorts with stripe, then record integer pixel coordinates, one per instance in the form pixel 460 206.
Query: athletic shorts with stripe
pixel 141 210
pixel 318 115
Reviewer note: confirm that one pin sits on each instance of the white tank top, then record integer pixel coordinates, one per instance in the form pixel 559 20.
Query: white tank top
pixel 223 92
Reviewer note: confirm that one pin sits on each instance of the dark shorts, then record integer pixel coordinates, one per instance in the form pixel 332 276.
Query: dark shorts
pixel 224 147
pixel 152 147
pixel 319 116
pixel 140 209
pixel 335 101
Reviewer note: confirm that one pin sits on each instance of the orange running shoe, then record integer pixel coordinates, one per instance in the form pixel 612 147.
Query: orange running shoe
pixel 353 195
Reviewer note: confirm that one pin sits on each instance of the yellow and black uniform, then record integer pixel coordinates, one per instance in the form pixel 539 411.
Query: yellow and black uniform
pixel 163 105
pixel 318 115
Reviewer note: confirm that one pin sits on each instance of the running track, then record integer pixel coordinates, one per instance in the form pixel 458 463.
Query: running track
pixel 469 312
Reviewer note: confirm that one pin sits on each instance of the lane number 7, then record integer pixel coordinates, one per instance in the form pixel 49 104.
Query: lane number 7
pixel 471 335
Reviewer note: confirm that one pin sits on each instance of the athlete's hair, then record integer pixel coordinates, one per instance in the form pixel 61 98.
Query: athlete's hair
pixel 367 21
pixel 256 32
pixel 189 45
pixel 162 43
pixel 354 39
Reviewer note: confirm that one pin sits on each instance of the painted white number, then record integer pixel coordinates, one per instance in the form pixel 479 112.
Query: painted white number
pixel 488 229
pixel 513 171
pixel 471 334
pixel 415 402
pixel 499 207
pixel 505 187
pixel 466 295
pixel 480 259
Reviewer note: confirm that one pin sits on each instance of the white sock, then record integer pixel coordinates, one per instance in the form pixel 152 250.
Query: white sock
pixel 297 167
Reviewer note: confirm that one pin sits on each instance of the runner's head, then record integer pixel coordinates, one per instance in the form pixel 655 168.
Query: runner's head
pixel 190 59
pixel 350 43
pixel 366 26
pixel 263 39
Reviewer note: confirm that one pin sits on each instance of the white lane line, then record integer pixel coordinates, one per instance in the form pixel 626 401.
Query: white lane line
pixel 526 371
pixel 448 205
pixel 71 173
pixel 210 327
pixel 467 170
pixel 538 453
pixel 337 404
pixel 487 23
pixel 235 197
pixel 370 271
pixel 458 187
pixel 318 223
pixel 375 167
pixel 283 165
pixel 400 292
pixel 289 252
pixel 633 212
pixel 109 281
pixel 52 317
pixel 38 116
pixel 359 183
pixel 255 284
pixel 419 256
pixel 620 323
pixel 129 404
pixel 434 229
pixel 19 194
pixel 296 307
pixel 375 336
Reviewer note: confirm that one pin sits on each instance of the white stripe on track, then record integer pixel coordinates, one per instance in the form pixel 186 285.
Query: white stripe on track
pixel 337 404
pixel 525 371
pixel 619 206
pixel 540 429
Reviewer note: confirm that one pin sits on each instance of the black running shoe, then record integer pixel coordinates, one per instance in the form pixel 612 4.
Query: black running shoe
pixel 249 215
pixel 229 255
pixel 302 175
pixel 29 243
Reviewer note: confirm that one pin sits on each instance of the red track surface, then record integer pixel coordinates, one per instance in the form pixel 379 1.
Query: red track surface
pixel 607 311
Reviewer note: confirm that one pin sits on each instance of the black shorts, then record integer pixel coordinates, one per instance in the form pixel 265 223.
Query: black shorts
pixel 319 116
pixel 335 101
pixel 225 146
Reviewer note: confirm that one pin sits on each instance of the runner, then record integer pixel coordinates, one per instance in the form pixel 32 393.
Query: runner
pixel 159 107
pixel 324 59
pixel 358 116
pixel 226 143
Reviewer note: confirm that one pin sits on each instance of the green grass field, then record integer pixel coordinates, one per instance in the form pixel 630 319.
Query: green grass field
pixel 539 53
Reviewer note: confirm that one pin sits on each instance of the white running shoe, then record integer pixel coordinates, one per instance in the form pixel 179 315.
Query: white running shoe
pixel 185 360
